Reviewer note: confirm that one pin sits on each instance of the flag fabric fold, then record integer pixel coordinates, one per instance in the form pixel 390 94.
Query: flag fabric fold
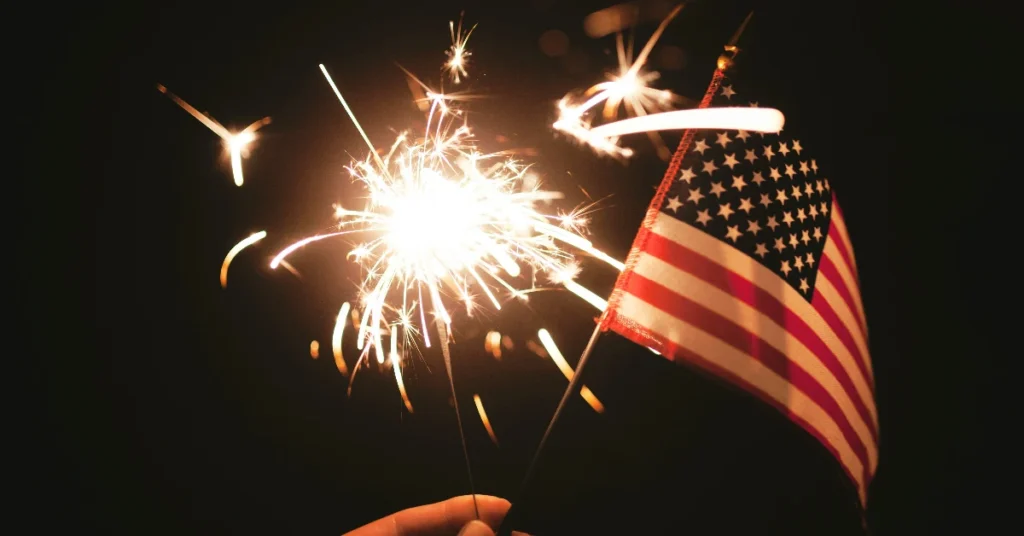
pixel 743 267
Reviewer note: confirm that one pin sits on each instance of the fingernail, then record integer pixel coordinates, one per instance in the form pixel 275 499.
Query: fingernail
pixel 476 528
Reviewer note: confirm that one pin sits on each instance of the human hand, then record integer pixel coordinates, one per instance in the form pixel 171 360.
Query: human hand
pixel 455 516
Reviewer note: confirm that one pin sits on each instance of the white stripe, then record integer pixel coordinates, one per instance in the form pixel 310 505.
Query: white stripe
pixel 766 328
pixel 840 224
pixel 749 370
pixel 735 260
pixel 823 286
pixel 848 280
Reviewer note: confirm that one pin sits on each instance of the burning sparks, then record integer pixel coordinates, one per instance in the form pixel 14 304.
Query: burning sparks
pixel 457 53
pixel 563 365
pixel 314 349
pixel 339 330
pixel 483 418
pixel 250 240
pixel 630 86
pixel 236 143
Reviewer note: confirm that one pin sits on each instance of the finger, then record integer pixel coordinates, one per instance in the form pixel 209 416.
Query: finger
pixel 476 528
pixel 443 518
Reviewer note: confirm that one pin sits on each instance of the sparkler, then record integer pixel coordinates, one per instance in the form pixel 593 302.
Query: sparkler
pixel 457 53
pixel 629 87
pixel 236 143
pixel 246 242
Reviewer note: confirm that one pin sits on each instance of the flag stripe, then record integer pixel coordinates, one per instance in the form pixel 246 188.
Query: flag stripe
pixel 846 246
pixel 842 278
pixel 751 282
pixel 696 346
pixel 836 313
pixel 754 334
pixel 650 281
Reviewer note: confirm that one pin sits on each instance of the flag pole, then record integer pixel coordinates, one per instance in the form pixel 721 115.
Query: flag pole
pixel 724 62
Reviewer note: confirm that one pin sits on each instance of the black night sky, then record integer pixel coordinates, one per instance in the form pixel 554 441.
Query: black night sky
pixel 175 406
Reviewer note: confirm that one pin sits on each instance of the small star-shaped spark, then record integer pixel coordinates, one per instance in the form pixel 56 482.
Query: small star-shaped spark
pixel 779 246
pixel 774 174
pixel 700 147
pixel 789 171
pixel 787 218
pixel 783 148
pixel 803 284
pixel 800 215
pixel 803 167
pixel 730 160
pixel 742 135
pixel 809 259
pixel 725 210
pixel 758 179
pixel 805 237
pixel 686 174
pixel 695 195
pixel 772 223
pixel 717 189
pixel 674 203
pixel 738 182
pixel 703 217
pixel 814 211
pixel 817 233
pixel 781 196
pixel 753 227
pixel 761 250
pixel 768 152
pixel 792 240
pixel 785 268
pixel 723 139
pixel 709 166
pixel 798 264
pixel 732 233
pixel 750 156
pixel 765 200
pixel 745 205
pixel 797 194
pixel 796 146
pixel 728 92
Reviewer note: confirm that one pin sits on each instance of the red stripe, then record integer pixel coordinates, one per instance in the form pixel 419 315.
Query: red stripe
pixel 841 331
pixel 828 268
pixel 837 239
pixel 678 353
pixel 736 285
pixel 749 343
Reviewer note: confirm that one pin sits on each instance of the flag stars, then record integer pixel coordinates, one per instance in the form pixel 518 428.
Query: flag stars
pixel 730 160
pixel 797 194
pixel 824 208
pixel 768 152
pixel 805 237
pixel 789 171
pixel 695 195
pixel 674 203
pixel 818 186
pixel 742 135
pixel 746 206
pixel 753 104
pixel 750 156
pixel 809 259
pixel 783 148
pixel 765 200
pixel 808 189
pixel 787 218
pixel 758 179
pixel 753 227
pixel 798 263
pixel 710 167
pixel 803 167
pixel 825 181
pixel 725 210
pixel 814 165
pixel 785 268
pixel 760 250
pixel 723 139
pixel 774 174
pixel 732 233
pixel 772 223
pixel 797 147
pixel 717 189
pixel 728 92
pixel 793 241
pixel 803 284
pixel 700 146
pixel 686 174
pixel 738 182
pixel 703 217
pixel 801 215
pixel 817 233
pixel 814 211
pixel 779 246
pixel 780 196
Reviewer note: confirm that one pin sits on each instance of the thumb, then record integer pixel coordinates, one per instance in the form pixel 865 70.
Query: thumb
pixel 476 528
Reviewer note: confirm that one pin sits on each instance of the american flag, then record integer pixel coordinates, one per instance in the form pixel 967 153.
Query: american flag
pixel 744 268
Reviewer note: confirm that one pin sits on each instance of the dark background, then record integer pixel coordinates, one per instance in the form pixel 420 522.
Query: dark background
pixel 175 406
